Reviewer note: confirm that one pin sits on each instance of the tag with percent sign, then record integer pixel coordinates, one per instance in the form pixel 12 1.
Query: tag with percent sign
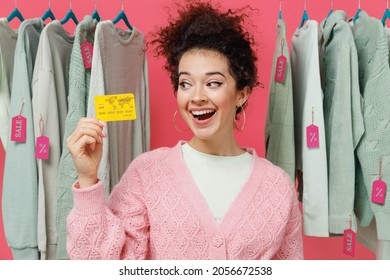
pixel 115 107
pixel 312 137
pixel 42 147
pixel 378 192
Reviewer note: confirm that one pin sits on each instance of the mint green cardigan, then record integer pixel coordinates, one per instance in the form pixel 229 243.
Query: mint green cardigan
pixel 79 79
pixel 342 117
pixel 20 185
pixel 279 128
pixel 374 76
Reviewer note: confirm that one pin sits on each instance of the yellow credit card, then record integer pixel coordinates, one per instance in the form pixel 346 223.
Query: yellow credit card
pixel 115 107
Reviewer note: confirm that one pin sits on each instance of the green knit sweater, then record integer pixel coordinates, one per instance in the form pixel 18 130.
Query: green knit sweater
pixel 374 77
pixel 79 81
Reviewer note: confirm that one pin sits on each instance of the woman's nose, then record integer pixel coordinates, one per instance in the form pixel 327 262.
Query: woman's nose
pixel 199 95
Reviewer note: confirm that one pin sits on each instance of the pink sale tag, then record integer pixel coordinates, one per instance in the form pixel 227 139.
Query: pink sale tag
pixel 280 71
pixel 378 192
pixel 42 148
pixel 87 53
pixel 18 130
pixel 312 136
pixel 349 242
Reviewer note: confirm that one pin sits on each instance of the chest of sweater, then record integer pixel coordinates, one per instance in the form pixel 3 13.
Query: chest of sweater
pixel 183 227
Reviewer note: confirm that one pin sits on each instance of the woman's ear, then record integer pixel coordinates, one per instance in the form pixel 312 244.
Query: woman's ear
pixel 242 96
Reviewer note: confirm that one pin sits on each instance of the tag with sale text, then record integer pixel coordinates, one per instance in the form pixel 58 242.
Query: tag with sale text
pixel 378 192
pixel 312 137
pixel 349 242
pixel 42 147
pixel 280 69
pixel 87 53
pixel 115 107
pixel 18 130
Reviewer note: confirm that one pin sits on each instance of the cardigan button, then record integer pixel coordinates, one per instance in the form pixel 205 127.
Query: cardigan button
pixel 217 241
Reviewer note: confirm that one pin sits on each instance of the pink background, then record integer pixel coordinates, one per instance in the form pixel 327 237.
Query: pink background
pixel 147 14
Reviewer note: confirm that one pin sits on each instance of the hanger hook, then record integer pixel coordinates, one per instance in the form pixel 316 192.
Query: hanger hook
pixel 387 4
pixel 70 4
pixel 16 4
pixel 359 4
pixel 331 4
pixel 95 4
pixel 122 6
pixel 304 7
pixel 280 5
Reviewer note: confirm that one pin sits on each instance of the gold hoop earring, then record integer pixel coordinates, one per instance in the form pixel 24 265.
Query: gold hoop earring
pixel 244 115
pixel 174 124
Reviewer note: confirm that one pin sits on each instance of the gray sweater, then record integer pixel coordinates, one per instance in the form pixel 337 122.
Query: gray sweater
pixel 119 66
pixel 50 89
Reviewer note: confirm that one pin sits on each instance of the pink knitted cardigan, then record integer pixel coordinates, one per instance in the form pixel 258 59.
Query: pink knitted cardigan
pixel 156 211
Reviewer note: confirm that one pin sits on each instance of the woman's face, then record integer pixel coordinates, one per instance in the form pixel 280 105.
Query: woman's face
pixel 207 96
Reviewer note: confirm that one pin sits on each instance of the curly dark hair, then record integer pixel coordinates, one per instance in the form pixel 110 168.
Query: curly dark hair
pixel 200 25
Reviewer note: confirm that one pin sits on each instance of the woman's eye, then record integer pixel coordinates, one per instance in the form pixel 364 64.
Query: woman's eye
pixel 214 84
pixel 184 85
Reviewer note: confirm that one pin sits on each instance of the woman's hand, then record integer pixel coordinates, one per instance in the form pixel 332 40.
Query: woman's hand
pixel 85 146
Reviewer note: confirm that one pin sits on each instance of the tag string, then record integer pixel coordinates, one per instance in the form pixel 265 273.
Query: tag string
pixel 41 125
pixel 282 46
pixel 380 169
pixel 312 115
pixel 21 109
pixel 350 221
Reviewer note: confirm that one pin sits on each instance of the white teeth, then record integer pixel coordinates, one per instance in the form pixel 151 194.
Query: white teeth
pixel 203 112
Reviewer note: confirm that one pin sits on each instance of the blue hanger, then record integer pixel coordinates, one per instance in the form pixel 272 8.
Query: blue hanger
pixel 357 13
pixel 70 15
pixel 330 12
pixel 331 9
pixel 305 16
pixel 15 14
pixel 48 14
pixel 122 16
pixel 386 15
pixel 280 10
pixel 95 14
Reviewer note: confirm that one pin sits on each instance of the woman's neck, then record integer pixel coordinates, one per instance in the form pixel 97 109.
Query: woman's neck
pixel 218 148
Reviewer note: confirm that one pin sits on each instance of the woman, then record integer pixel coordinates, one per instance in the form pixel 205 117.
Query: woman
pixel 205 199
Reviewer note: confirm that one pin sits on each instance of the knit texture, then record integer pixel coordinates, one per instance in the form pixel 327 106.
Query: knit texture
pixel 157 212
pixel 7 52
pixel 79 79
pixel 279 128
pixel 374 147
pixel 342 117
pixel 307 96
pixel 20 185
pixel 119 66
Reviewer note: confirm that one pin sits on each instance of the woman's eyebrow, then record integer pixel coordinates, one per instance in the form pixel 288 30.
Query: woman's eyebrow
pixel 207 74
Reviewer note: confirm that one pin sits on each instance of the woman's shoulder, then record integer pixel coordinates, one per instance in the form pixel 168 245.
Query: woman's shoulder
pixel 270 170
pixel 157 155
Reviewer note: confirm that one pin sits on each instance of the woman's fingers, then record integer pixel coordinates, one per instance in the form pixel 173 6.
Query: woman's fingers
pixel 87 126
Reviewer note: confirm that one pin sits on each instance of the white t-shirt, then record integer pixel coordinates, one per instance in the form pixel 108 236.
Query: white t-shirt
pixel 219 178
